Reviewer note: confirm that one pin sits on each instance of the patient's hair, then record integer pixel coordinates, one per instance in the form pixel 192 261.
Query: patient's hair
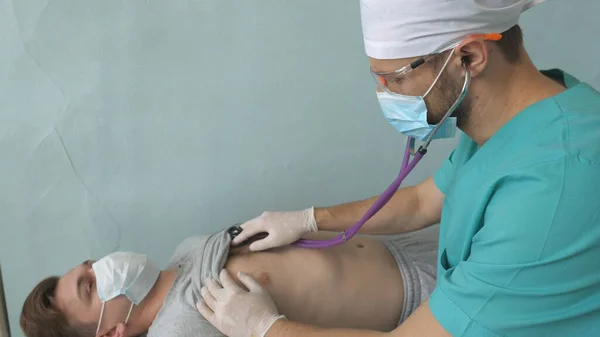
pixel 41 318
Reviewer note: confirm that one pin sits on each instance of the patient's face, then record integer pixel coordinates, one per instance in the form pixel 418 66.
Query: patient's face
pixel 76 296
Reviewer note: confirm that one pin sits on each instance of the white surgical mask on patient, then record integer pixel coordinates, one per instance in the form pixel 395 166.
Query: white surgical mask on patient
pixel 128 274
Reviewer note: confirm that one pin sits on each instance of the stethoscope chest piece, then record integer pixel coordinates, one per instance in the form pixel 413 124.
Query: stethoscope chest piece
pixel 234 231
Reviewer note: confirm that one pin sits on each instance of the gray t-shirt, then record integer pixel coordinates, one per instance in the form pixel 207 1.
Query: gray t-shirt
pixel 196 258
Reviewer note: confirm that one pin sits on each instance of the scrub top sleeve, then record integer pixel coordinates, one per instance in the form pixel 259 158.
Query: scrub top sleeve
pixel 528 266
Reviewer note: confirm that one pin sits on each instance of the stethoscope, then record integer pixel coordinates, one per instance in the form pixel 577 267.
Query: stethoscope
pixel 407 166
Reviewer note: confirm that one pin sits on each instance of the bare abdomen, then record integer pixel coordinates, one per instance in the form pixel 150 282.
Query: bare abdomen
pixel 355 285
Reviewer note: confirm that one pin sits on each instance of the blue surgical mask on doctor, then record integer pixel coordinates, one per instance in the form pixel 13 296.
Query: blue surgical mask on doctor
pixel 408 114
pixel 122 273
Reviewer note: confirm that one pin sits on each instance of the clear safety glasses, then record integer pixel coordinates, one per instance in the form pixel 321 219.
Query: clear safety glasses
pixel 385 79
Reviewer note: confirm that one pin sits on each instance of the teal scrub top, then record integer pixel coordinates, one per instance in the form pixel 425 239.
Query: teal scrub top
pixel 519 251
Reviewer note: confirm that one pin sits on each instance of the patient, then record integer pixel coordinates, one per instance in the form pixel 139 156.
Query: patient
pixel 370 282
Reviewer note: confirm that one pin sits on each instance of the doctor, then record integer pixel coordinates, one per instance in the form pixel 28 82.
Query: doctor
pixel 518 200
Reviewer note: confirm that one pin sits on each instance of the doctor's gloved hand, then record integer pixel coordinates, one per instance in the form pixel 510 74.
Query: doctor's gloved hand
pixel 283 228
pixel 237 312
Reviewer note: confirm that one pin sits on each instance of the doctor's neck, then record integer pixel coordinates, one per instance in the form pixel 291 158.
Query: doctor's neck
pixel 501 92
pixel 144 314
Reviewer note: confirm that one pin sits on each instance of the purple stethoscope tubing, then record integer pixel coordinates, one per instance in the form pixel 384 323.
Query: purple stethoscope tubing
pixel 407 166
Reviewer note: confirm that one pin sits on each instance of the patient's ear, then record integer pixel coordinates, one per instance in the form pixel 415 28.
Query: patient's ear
pixel 118 331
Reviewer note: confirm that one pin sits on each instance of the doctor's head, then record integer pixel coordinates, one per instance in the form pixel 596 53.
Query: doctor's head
pixel 424 48
pixel 96 298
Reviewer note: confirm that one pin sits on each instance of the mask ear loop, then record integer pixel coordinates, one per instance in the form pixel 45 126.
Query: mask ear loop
pixel 129 313
pixel 411 146
pixel 440 73
pixel 100 321
pixel 459 100
pixel 102 314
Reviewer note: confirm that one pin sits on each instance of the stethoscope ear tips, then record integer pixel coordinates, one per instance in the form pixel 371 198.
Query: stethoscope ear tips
pixel 465 60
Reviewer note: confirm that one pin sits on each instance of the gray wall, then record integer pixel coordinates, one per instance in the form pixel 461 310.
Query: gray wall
pixel 133 124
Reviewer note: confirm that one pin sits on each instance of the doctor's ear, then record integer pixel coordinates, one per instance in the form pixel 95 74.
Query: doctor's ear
pixel 474 55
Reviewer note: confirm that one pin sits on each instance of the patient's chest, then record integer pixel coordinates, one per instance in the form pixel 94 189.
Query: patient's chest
pixel 355 285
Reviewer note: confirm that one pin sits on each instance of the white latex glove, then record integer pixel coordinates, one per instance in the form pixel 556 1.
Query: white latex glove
pixel 283 228
pixel 237 312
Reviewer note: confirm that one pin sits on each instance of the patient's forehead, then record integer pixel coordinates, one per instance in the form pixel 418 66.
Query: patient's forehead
pixel 68 296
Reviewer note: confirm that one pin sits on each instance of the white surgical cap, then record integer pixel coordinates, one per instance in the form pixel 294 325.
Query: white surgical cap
pixel 395 29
